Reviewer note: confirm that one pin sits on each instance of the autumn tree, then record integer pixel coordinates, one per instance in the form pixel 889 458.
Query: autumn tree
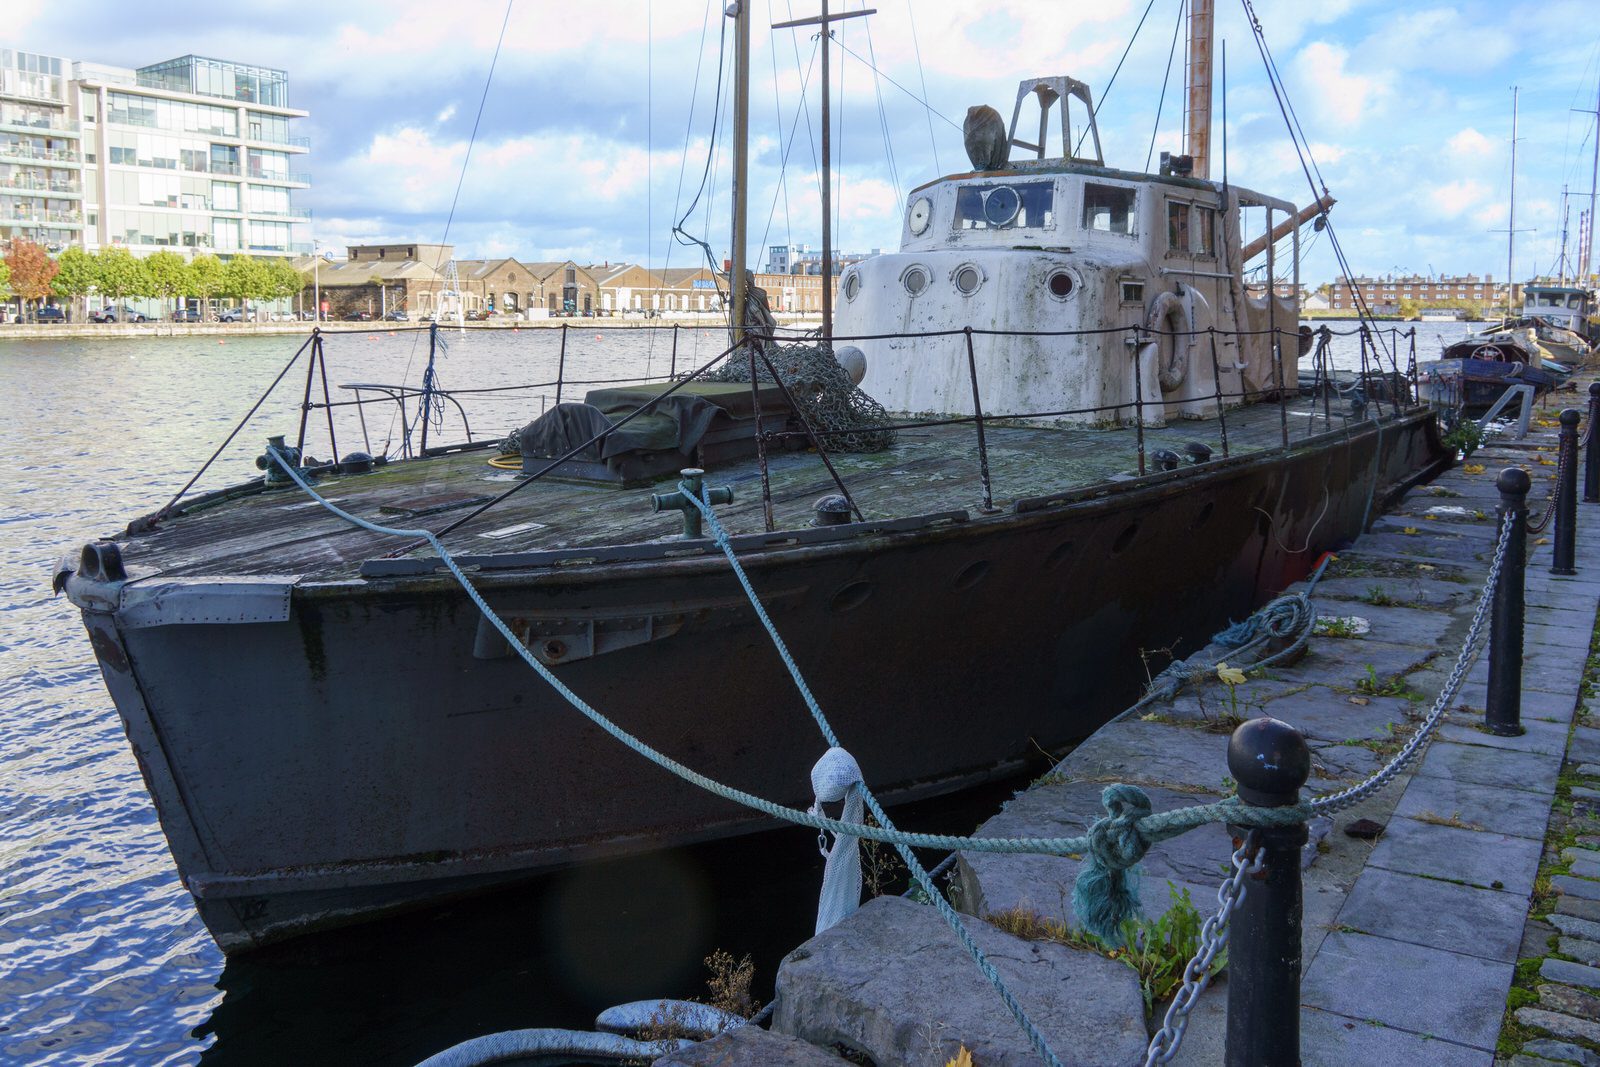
pixel 31 268
pixel 206 276
pixel 169 274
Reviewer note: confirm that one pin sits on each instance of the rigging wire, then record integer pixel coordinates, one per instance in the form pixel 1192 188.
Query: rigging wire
pixel 1095 113
pixel 911 13
pixel 455 199
pixel 794 38
pixel 1308 165
pixel 932 111
pixel 1161 103
pixel 777 110
pixel 783 165
pixel 688 134
pixel 883 115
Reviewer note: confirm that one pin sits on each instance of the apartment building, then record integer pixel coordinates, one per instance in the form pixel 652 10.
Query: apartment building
pixel 1385 293
pixel 192 154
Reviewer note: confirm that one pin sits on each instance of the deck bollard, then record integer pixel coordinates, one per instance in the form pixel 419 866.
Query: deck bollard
pixel 1270 761
pixel 1591 452
pixel 1503 706
pixel 1567 495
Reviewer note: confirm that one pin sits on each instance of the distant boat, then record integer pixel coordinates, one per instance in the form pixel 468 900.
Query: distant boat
pixel 1472 375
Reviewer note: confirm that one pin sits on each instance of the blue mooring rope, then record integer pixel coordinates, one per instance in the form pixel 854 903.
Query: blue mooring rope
pixel 1103 897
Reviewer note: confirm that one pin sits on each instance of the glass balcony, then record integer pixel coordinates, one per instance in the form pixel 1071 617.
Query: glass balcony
pixel 21 150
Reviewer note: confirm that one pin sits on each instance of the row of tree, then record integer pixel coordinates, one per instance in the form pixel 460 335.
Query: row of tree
pixel 115 274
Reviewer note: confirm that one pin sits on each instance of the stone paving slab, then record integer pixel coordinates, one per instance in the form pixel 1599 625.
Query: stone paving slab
pixel 1395 625
pixel 1425 991
pixel 1320 712
pixel 1476 857
pixel 1515 812
pixel 1550 707
pixel 1426 911
pixel 1532 771
pixel 893 982
pixel 1414 592
pixel 1331 1040
pixel 1545 738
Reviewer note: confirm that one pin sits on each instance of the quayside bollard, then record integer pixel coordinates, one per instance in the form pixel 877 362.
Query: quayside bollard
pixel 1591 452
pixel 1270 761
pixel 1503 707
pixel 1567 495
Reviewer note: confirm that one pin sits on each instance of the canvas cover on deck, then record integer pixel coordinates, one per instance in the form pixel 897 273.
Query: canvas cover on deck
pixel 676 422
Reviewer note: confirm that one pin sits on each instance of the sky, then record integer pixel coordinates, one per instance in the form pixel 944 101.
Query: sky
pixel 596 129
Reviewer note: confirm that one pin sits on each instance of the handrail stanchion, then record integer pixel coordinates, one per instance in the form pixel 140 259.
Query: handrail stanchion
pixel 1566 537
pixel 1270 761
pixel 977 411
pixel 427 383
pixel 1138 397
pixel 1216 376
pixel 1591 452
pixel 761 434
pixel 672 371
pixel 327 407
pixel 1277 359
pixel 1503 706
pixel 311 376
pixel 561 363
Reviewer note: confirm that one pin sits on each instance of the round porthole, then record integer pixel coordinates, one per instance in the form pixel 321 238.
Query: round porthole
pixel 1124 539
pixel 852 285
pixel 1000 207
pixel 972 574
pixel 1202 516
pixel 915 279
pixel 1061 284
pixel 850 597
pixel 968 278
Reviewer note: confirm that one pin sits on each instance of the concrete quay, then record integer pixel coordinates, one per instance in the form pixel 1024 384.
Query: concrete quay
pixel 1466 934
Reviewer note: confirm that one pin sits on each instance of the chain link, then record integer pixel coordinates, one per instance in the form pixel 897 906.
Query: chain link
pixel 1247 860
pixel 1562 461
pixel 1334 802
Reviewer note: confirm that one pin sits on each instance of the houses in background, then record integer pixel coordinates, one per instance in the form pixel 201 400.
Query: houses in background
pixel 426 280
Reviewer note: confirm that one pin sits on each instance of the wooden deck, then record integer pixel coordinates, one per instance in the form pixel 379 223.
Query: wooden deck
pixel 931 469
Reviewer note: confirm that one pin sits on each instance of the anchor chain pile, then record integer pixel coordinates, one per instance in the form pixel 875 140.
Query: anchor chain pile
pixel 1103 896
pixel 829 402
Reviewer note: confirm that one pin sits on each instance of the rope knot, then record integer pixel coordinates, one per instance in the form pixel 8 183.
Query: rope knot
pixel 1106 893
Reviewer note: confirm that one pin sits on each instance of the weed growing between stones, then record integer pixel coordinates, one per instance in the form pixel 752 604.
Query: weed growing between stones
pixel 729 984
pixel 1372 685
pixel 1156 949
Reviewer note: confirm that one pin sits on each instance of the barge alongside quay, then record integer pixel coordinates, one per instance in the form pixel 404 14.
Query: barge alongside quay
pixel 331 730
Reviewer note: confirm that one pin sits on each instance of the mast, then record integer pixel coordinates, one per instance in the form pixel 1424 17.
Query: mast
pixel 737 287
pixel 825 20
pixel 1587 251
pixel 1511 225
pixel 1198 104
pixel 1561 260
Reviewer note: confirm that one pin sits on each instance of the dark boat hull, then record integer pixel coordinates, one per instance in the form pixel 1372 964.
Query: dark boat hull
pixel 371 751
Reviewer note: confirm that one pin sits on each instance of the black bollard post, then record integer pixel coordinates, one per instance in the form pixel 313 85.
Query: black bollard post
pixel 1270 761
pixel 1503 707
pixel 1567 495
pixel 1591 453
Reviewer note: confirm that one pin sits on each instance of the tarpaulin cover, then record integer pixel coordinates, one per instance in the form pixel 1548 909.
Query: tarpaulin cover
pixel 677 421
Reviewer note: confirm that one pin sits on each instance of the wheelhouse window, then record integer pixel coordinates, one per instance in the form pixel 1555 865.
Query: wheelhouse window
pixel 1178 226
pixel 1108 208
pixel 1023 205
pixel 1191 228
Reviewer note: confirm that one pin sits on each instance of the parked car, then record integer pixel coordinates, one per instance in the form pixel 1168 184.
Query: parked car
pixel 50 313
pixel 359 316
pixel 477 315
pixel 397 316
pixel 111 313
pixel 236 315
pixel 186 315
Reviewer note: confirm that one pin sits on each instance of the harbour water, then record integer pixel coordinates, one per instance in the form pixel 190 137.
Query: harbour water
pixel 102 959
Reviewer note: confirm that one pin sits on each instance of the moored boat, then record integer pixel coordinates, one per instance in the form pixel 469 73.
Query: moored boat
pixel 332 730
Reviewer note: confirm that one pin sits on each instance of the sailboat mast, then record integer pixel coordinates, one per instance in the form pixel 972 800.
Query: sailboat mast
pixel 737 286
pixel 827 191
pixel 1199 98
pixel 1587 253
pixel 1511 225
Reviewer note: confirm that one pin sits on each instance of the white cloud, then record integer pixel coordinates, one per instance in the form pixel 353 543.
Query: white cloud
pixel 1336 94
pixel 1470 146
